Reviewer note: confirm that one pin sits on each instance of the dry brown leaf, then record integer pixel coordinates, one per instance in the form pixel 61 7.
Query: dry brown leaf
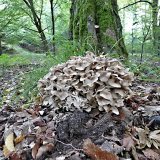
pixel 150 154
pixel 112 147
pixel 156 144
pixel 128 143
pixel 9 142
pixel 9 145
pixel 43 149
pixel 6 152
pixel 15 156
pixel 96 153
pixel 142 135
pixel 147 138
pixel 35 148
pixel 134 153
pixel 19 139
pixel 155 135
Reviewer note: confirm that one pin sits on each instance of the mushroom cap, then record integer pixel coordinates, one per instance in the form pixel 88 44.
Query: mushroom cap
pixel 86 82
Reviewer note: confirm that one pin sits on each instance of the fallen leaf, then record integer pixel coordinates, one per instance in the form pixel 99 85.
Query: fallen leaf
pixel 14 156
pixel 155 135
pixel 35 149
pixel 9 145
pixel 6 152
pixel 112 147
pixel 44 149
pixel 143 137
pixel 96 153
pixel 19 139
pixel 134 153
pixel 150 154
pixel 156 144
pixel 61 158
pixel 128 143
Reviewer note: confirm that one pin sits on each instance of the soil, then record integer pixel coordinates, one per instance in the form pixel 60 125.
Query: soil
pixel 72 128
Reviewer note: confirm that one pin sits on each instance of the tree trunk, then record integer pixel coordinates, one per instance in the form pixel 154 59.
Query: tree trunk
pixel 37 22
pixel 96 23
pixel 142 51
pixel 155 27
pixel 53 26
pixel 0 45
pixel 44 40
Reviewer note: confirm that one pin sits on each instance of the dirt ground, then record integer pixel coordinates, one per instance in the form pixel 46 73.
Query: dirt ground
pixel 39 133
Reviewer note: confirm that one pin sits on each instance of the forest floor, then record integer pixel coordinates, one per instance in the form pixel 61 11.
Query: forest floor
pixel 27 129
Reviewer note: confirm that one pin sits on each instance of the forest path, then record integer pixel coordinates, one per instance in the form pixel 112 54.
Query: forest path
pixel 15 68
pixel 11 77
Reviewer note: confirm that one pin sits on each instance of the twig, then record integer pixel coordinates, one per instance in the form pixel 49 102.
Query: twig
pixel 115 44
pixel 68 144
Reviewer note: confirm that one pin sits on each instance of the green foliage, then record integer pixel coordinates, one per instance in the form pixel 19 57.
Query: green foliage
pixel 17 59
pixel 148 70
pixel 66 49
pixel 29 81
pixel 137 48
pixel 8 61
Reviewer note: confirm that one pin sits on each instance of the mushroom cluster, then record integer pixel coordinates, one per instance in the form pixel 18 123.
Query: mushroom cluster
pixel 86 82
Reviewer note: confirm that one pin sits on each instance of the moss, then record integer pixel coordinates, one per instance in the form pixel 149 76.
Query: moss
pixel 106 22
pixel 86 9
pixel 101 14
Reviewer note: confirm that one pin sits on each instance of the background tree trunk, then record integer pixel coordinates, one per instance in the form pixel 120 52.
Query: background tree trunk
pixel 53 26
pixel 0 45
pixel 97 24
pixel 155 27
pixel 37 22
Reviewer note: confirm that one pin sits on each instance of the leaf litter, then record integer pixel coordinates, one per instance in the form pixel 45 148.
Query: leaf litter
pixel 130 131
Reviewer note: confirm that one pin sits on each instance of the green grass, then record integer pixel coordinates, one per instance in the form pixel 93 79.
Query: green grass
pixel 146 70
pixel 27 88
pixel 29 81
pixel 8 60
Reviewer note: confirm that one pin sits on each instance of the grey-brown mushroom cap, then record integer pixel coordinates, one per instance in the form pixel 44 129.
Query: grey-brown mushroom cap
pixel 86 82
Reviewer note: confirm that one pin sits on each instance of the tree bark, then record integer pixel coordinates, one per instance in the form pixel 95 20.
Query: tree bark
pixel 96 23
pixel 155 27
pixel 53 26
pixel 1 45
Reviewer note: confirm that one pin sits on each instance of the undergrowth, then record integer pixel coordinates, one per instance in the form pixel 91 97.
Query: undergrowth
pixel 29 81
pixel 148 69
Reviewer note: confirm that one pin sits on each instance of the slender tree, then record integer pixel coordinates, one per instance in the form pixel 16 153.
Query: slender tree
pixel 96 23
pixel 53 25
pixel 1 45
pixel 155 26
pixel 146 27
pixel 37 21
